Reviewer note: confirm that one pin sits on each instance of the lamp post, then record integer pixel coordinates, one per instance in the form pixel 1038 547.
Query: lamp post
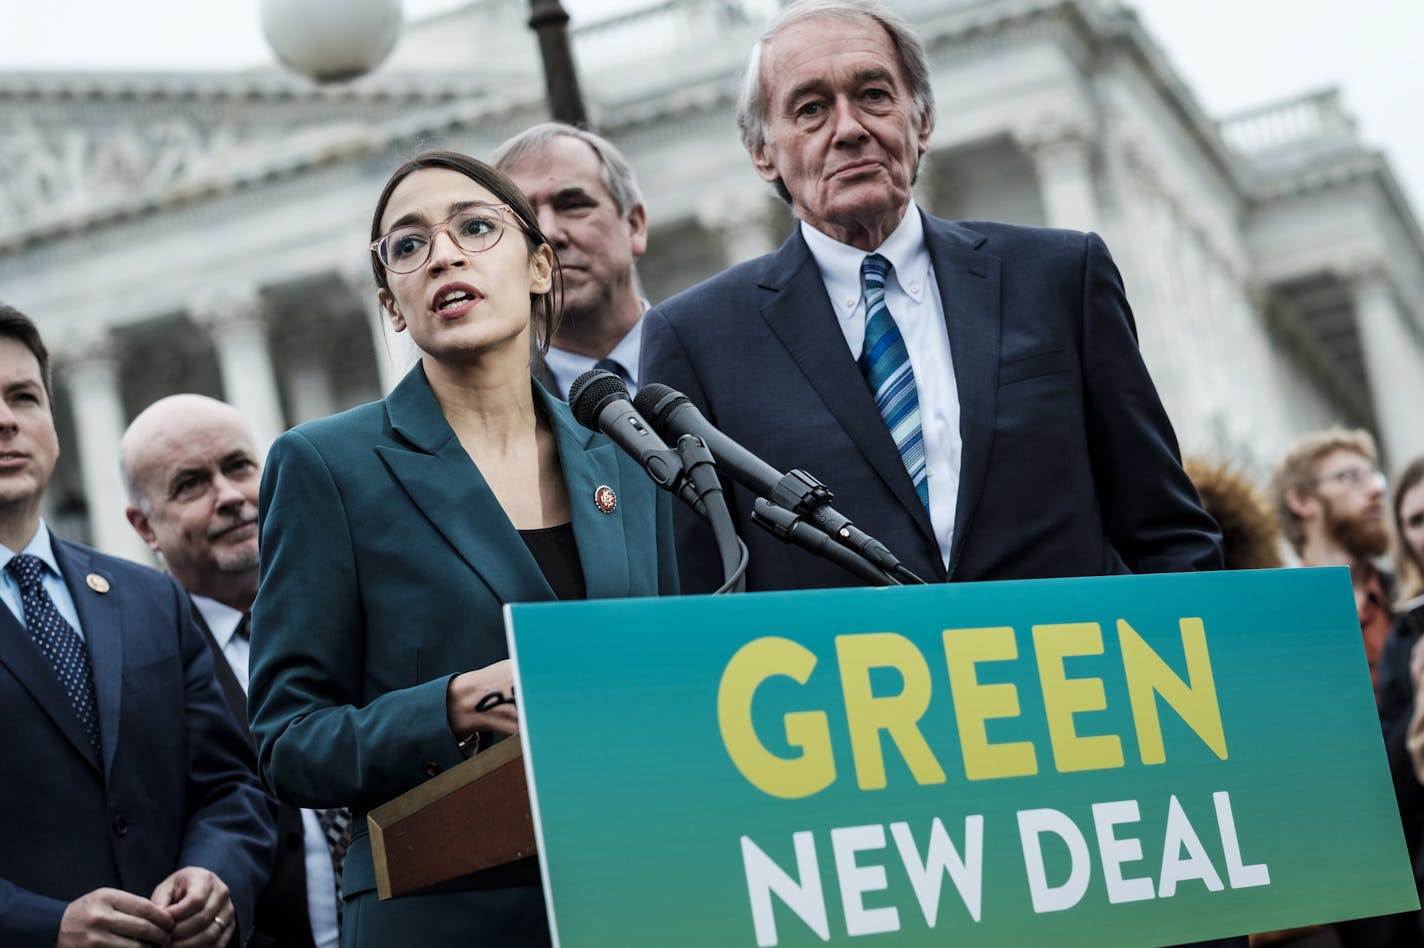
pixel 548 19
pixel 338 40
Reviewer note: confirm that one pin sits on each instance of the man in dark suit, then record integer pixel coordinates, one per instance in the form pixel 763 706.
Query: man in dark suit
pixel 192 470
pixel 591 210
pixel 971 392
pixel 131 810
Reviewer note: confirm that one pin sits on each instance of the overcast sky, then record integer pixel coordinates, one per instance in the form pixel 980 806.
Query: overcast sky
pixel 1233 53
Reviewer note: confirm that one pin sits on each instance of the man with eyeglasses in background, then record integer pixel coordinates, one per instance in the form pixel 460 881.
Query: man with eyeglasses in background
pixel 591 209
pixel 1330 495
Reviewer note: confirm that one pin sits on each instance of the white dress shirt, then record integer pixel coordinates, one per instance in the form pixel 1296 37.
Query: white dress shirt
pixel 39 546
pixel 567 366
pixel 912 296
pixel 222 621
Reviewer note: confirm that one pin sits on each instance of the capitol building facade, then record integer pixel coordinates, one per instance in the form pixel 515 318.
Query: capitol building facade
pixel 208 232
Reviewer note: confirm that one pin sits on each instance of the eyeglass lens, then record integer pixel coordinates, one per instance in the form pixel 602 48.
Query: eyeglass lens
pixel 474 229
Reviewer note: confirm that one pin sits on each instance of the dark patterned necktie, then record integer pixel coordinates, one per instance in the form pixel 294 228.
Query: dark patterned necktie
pixel 616 367
pixel 336 825
pixel 244 628
pixel 885 363
pixel 59 643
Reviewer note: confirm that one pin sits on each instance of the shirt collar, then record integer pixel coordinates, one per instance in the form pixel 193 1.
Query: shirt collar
pixel 221 618
pixel 568 366
pixel 840 263
pixel 39 546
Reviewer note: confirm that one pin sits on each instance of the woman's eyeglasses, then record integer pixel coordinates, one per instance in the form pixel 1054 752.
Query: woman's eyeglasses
pixel 475 229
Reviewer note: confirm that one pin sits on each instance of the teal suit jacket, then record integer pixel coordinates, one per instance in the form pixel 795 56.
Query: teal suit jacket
pixel 386 562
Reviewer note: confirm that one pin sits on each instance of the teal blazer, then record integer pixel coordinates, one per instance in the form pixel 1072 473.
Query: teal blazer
pixel 386 561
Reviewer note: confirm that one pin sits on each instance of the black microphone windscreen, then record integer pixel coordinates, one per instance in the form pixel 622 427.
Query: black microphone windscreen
pixel 590 392
pixel 656 402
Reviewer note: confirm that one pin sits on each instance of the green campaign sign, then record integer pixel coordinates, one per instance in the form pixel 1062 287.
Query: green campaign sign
pixel 1128 760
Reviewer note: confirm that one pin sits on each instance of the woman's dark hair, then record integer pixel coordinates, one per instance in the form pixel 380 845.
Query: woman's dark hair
pixel 1408 570
pixel 544 307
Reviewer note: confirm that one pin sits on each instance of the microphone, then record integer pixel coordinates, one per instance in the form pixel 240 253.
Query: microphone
pixel 600 402
pixel 674 415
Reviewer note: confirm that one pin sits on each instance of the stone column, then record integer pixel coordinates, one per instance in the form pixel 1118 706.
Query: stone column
pixel 88 364
pixel 236 321
pixel 1393 348
pixel 393 352
pixel 745 223
pixel 1062 155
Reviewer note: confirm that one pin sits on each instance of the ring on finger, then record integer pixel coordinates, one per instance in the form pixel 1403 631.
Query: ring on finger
pixel 219 921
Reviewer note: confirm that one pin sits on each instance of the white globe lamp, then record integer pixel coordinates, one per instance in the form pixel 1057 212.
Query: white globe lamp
pixel 331 40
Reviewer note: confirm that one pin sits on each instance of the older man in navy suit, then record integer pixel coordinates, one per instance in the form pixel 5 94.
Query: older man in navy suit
pixel 972 392
pixel 129 806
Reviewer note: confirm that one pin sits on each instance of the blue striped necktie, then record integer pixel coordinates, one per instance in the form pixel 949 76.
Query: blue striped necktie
pixel 885 362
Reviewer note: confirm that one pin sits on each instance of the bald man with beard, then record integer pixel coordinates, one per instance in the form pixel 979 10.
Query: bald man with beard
pixel 192 471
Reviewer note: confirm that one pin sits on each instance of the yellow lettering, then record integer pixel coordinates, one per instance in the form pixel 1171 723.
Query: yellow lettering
pixel 1064 697
pixel 1148 676
pixel 815 768
pixel 975 703
pixel 897 715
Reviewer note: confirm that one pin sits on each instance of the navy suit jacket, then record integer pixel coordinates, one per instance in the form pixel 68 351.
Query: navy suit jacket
pixel 176 786
pixel 1069 465
pixel 386 564
pixel 283 919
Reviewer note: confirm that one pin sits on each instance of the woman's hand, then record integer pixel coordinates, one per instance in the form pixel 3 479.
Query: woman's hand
pixel 467 691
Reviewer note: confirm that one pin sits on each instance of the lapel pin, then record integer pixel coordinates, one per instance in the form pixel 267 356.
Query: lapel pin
pixel 604 499
pixel 97 583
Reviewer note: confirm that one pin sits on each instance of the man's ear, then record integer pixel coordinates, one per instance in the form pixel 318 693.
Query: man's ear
pixel 638 230
pixel 144 528
pixel 763 162
pixel 388 306
pixel 1304 506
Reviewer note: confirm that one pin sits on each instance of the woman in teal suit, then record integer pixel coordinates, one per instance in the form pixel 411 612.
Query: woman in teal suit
pixel 393 534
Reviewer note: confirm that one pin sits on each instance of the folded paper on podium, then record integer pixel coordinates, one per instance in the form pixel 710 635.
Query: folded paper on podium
pixel 468 828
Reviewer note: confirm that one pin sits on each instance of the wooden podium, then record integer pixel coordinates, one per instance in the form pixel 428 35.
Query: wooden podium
pixel 468 828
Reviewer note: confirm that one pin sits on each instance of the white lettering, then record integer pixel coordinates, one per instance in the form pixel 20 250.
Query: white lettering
pixel 856 880
pixel 804 897
pixel 1032 825
pixel 927 875
pixel 1241 877
pixel 1197 865
pixel 1116 851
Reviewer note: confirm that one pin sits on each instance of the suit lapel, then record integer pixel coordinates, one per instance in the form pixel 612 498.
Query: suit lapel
pixel 445 486
pixel 100 618
pixel 968 281
pixel 19 654
pixel 799 313
pixel 232 688
pixel 601 537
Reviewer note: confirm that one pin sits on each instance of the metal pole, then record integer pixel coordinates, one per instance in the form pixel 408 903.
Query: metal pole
pixel 548 19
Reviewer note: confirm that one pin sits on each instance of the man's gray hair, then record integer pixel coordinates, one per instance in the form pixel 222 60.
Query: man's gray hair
pixel 615 171
pixel 751 102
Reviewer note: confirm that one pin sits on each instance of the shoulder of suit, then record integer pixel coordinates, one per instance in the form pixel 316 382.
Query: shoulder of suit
pixel 999 237
pixel 715 291
pixel 115 568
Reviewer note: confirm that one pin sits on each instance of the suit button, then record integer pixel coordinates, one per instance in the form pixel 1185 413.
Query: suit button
pixel 431 768
pixel 121 826
pixel 294 842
